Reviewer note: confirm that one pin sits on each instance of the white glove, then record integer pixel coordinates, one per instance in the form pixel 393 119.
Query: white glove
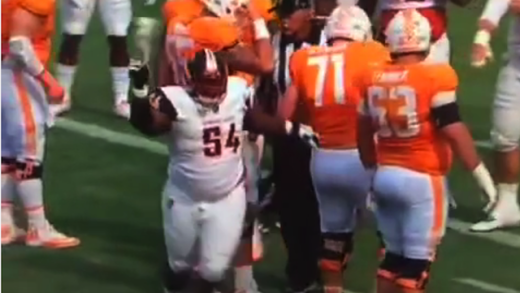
pixel 486 184
pixel 481 52
pixel 305 132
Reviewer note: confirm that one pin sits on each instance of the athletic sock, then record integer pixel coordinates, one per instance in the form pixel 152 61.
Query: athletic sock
pixel 31 193
pixel 508 197
pixel 65 76
pixel 244 279
pixel 8 192
pixel 120 83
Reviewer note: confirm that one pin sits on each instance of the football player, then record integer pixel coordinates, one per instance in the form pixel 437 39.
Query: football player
pixel 204 199
pixel 433 10
pixel 322 79
pixel 116 16
pixel 505 132
pixel 27 88
pixel 410 105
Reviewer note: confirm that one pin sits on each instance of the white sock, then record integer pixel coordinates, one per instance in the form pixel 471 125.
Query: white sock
pixel 508 196
pixel 120 83
pixel 8 192
pixel 65 76
pixel 31 193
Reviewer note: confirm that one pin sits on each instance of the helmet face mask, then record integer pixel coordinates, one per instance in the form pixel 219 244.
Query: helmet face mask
pixel 209 77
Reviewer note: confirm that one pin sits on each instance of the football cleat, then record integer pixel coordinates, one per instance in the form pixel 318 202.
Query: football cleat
pixel 122 109
pixel 48 237
pixel 11 233
pixel 494 223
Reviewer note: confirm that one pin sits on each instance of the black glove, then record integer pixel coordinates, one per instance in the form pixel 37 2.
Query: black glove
pixel 139 74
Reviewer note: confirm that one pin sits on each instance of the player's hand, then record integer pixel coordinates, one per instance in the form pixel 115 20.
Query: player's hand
pixel 487 186
pixel 481 52
pixel 55 92
pixel 304 132
pixel 514 5
pixel 139 75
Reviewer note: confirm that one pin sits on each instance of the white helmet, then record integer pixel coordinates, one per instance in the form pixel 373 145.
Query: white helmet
pixel 224 7
pixel 408 31
pixel 348 21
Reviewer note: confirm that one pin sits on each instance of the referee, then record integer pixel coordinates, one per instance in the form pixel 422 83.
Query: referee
pixel 294 196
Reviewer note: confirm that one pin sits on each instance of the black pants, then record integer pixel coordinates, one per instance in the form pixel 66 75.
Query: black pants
pixel 297 208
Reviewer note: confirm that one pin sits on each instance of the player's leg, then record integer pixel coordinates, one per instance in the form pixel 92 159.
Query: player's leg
pixel 341 185
pixel 32 119
pixel 505 135
pixel 220 235
pixel 116 16
pixel 75 18
pixel 388 217
pixel 423 226
pixel 180 225
pixel 9 229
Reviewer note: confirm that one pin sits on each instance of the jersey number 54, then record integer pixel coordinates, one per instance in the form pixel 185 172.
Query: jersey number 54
pixel 212 139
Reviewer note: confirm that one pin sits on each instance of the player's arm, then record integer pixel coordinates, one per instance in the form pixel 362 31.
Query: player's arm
pixel 446 116
pixel 151 112
pixel 288 103
pixel 243 58
pixel 27 20
pixel 487 25
pixel 365 137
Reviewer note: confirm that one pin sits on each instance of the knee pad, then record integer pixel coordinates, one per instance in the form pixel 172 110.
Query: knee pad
pixel 503 142
pixel 391 266
pixel 175 281
pixel 335 251
pixel 28 169
pixel 414 274
pixel 8 165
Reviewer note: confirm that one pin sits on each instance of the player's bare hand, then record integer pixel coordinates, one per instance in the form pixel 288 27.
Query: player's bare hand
pixel 480 55
pixel 514 5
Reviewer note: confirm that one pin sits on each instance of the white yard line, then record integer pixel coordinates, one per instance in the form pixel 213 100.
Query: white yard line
pixel 139 142
pixel 485 286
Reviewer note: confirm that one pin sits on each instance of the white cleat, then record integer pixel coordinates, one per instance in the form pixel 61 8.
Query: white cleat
pixel 48 237
pixel 11 233
pixel 494 223
pixel 122 109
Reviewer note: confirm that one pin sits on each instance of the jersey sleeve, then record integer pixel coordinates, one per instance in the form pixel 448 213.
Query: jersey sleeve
pixel 39 7
pixel 296 62
pixel 214 33
pixel 445 86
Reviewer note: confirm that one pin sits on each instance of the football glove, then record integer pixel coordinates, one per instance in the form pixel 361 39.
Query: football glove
pixel 304 132
pixel 481 52
pixel 139 75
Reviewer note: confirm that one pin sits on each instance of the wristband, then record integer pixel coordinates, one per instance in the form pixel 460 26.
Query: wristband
pixel 261 31
pixel 140 93
pixel 482 37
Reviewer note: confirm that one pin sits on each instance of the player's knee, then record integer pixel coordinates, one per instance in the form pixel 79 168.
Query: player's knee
pixel 28 170
pixel 503 140
pixel 175 281
pixel 118 51
pixel 414 274
pixel 8 165
pixel 213 271
pixel 335 251
pixel 69 49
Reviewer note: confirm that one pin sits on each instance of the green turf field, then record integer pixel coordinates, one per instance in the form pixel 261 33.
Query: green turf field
pixel 103 184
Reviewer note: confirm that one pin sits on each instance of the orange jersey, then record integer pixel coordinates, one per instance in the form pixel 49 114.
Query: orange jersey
pixel 41 40
pixel 325 78
pixel 400 99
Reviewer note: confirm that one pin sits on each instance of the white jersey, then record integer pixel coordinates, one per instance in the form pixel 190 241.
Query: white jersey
pixel 410 4
pixel 205 145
